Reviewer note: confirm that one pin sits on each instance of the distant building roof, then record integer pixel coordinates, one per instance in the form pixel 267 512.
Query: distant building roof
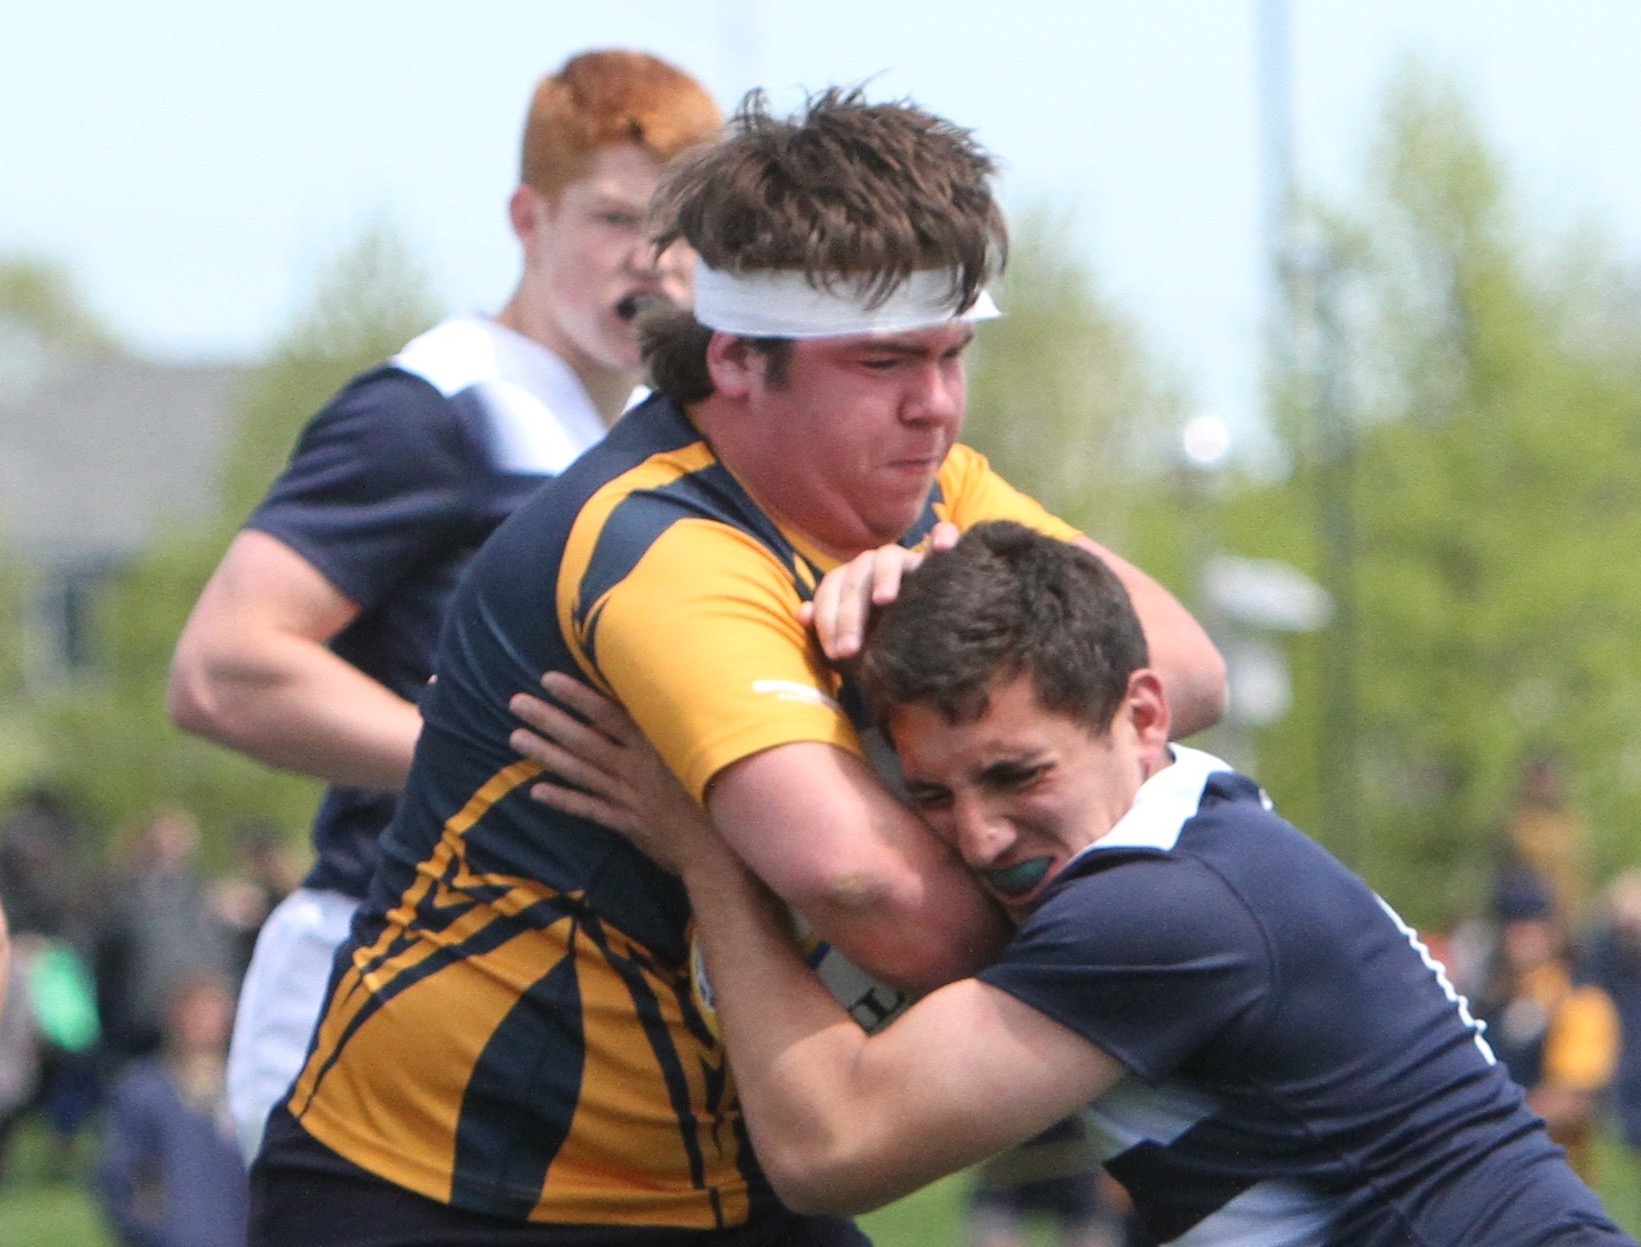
pixel 96 453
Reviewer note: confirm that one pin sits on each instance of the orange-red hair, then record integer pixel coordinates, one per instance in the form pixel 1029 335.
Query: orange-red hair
pixel 601 99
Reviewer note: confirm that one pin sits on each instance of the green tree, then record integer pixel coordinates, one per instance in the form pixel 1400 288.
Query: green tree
pixel 1493 476
pixel 110 741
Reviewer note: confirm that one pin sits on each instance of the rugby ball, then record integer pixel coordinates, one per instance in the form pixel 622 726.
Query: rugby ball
pixel 873 1005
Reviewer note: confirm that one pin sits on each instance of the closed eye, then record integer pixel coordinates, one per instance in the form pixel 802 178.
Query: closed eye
pixel 928 796
pixel 1014 776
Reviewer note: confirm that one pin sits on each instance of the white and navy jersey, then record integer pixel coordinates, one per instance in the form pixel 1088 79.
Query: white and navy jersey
pixel 390 490
pixel 1300 1071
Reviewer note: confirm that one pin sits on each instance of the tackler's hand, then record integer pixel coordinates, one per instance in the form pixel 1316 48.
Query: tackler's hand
pixel 600 767
pixel 846 595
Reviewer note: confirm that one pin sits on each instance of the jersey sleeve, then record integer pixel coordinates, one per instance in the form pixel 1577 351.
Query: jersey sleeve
pixel 378 479
pixel 1148 960
pixel 971 492
pixel 701 641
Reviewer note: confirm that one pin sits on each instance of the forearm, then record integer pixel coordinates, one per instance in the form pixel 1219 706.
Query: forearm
pixel 1182 654
pixel 792 1047
pixel 844 1122
pixel 294 704
pixel 253 670
pixel 817 826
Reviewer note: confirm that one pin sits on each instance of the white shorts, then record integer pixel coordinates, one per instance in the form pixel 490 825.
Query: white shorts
pixel 279 1003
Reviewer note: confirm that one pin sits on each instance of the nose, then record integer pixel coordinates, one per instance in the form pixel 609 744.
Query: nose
pixel 642 259
pixel 671 271
pixel 939 393
pixel 979 834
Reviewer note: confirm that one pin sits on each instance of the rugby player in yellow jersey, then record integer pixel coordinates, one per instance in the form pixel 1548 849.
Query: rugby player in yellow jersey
pixel 511 1051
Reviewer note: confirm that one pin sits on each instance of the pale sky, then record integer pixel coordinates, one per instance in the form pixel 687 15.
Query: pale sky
pixel 195 162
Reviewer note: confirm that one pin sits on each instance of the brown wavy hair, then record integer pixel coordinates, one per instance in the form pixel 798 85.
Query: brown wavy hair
pixel 844 191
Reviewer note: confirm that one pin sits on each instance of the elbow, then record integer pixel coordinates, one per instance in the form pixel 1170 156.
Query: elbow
pixel 189 698
pixel 913 938
pixel 919 967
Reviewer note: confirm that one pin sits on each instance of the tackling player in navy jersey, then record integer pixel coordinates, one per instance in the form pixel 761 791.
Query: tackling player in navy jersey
pixel 1267 1052
pixel 311 644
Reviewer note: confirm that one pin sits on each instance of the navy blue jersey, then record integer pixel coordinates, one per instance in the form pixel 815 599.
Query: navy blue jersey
pixel 390 490
pixel 1301 1071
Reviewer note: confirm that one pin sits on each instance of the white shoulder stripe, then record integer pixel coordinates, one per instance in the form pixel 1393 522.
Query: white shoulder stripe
pixel 538 415
pixel 1163 804
pixel 792 690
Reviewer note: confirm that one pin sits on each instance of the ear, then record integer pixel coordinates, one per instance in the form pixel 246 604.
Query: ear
pixel 528 210
pixel 1147 711
pixel 733 365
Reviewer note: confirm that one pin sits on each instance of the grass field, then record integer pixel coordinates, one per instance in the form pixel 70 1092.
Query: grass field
pixel 40 1212
pixel 38 1209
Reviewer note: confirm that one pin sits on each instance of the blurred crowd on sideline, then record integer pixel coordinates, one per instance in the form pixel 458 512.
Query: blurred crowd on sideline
pixel 126 963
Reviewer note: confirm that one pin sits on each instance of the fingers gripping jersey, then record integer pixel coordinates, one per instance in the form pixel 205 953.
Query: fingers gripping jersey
pixel 511 1029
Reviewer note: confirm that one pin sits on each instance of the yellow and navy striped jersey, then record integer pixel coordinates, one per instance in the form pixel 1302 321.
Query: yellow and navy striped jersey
pixel 511 1029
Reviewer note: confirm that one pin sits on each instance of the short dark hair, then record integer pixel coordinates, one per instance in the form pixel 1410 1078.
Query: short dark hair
pixel 1005 601
pixel 674 347
pixel 842 190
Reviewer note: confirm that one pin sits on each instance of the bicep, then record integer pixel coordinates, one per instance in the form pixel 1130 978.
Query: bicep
pixel 263 587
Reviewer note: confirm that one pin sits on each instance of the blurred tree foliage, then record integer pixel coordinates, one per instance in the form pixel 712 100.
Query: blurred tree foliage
pixel 109 742
pixel 1493 378
pixel 41 308
pixel 1064 397
pixel 45 325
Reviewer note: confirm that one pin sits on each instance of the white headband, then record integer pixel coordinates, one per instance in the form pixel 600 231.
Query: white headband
pixel 780 303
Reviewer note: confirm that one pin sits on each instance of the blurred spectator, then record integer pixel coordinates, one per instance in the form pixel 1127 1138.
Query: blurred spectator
pixel 266 872
pixel 1552 839
pixel 5 959
pixel 171 1173
pixel 20 1052
pixel 157 931
pixel 1054 1178
pixel 48 1036
pixel 42 876
pixel 1558 1040
pixel 1613 963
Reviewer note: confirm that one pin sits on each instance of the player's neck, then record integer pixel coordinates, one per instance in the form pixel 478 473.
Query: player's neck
pixel 607 389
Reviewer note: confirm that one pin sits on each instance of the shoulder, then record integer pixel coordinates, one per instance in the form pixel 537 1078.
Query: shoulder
pixel 1144 907
pixel 1145 891
pixel 968 491
pixel 530 408
pixel 383 413
pixel 387 430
